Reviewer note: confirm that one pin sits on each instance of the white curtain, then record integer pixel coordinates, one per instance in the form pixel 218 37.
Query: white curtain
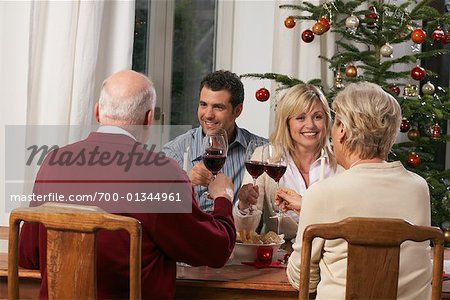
pixel 74 45
pixel 294 57
pixel 53 59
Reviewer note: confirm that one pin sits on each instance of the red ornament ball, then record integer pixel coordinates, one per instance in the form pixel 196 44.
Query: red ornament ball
pixel 418 36
pixel 289 22
pixel 395 89
pixel 413 134
pixel 435 131
pixel 447 38
pixel 438 35
pixel 413 160
pixel 307 36
pixel 405 126
pixel 372 17
pixel 262 94
pixel 319 29
pixel 418 73
pixel 324 21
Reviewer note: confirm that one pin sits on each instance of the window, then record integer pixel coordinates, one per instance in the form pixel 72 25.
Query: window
pixel 175 45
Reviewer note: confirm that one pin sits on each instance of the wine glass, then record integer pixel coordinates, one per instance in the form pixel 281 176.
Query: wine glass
pixel 254 163
pixel 214 152
pixel 275 166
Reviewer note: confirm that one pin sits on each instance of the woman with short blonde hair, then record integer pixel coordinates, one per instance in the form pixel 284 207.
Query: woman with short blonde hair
pixel 367 122
pixel 371 117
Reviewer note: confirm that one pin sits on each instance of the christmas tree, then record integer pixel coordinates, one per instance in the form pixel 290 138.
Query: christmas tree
pixel 365 33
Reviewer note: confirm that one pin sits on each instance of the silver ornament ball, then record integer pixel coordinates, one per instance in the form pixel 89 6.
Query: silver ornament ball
pixel 386 50
pixel 352 22
pixel 428 88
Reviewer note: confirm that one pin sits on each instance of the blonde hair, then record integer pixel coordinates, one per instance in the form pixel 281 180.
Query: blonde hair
pixel 298 99
pixel 371 118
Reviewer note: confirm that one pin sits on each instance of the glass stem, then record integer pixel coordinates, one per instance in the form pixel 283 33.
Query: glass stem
pixel 280 213
pixel 250 208
pixel 278 224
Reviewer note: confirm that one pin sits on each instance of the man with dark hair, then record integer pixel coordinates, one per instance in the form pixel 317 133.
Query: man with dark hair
pixel 221 102
pixel 225 80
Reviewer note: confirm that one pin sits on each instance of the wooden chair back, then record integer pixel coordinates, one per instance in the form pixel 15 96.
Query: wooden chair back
pixel 71 244
pixel 373 254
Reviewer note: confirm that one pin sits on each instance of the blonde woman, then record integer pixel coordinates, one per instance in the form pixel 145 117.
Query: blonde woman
pixel 366 124
pixel 301 137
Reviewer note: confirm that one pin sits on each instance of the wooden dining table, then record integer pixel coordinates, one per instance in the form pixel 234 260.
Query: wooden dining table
pixel 233 281
pixel 229 282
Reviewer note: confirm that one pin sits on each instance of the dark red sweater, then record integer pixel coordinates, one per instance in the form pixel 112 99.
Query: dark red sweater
pixel 195 238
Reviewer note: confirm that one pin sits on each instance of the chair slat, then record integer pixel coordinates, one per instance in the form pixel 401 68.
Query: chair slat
pixel 71 244
pixel 370 268
pixel 71 265
pixel 373 254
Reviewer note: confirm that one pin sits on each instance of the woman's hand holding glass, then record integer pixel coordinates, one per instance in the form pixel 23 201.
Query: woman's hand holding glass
pixel 248 195
pixel 288 199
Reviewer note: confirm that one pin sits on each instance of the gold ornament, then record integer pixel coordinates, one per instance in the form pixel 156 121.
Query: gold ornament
pixel 428 88
pixel 411 90
pixel 413 134
pixel 447 235
pixel 351 71
pixel 352 22
pixel 386 50
pixel 319 29
pixel 338 81
pixel 289 22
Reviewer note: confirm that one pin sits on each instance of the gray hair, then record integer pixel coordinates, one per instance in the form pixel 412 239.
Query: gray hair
pixel 371 118
pixel 130 108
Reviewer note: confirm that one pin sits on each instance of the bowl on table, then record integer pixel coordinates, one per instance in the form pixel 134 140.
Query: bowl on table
pixel 252 252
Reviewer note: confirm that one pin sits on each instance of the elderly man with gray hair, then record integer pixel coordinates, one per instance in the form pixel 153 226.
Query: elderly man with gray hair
pixel 119 164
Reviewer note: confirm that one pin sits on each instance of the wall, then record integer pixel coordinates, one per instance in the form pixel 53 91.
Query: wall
pixel 262 44
pixel 252 53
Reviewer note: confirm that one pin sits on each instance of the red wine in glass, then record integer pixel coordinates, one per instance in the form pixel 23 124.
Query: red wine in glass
pixel 254 168
pixel 254 163
pixel 214 153
pixel 214 159
pixel 275 171
pixel 275 167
